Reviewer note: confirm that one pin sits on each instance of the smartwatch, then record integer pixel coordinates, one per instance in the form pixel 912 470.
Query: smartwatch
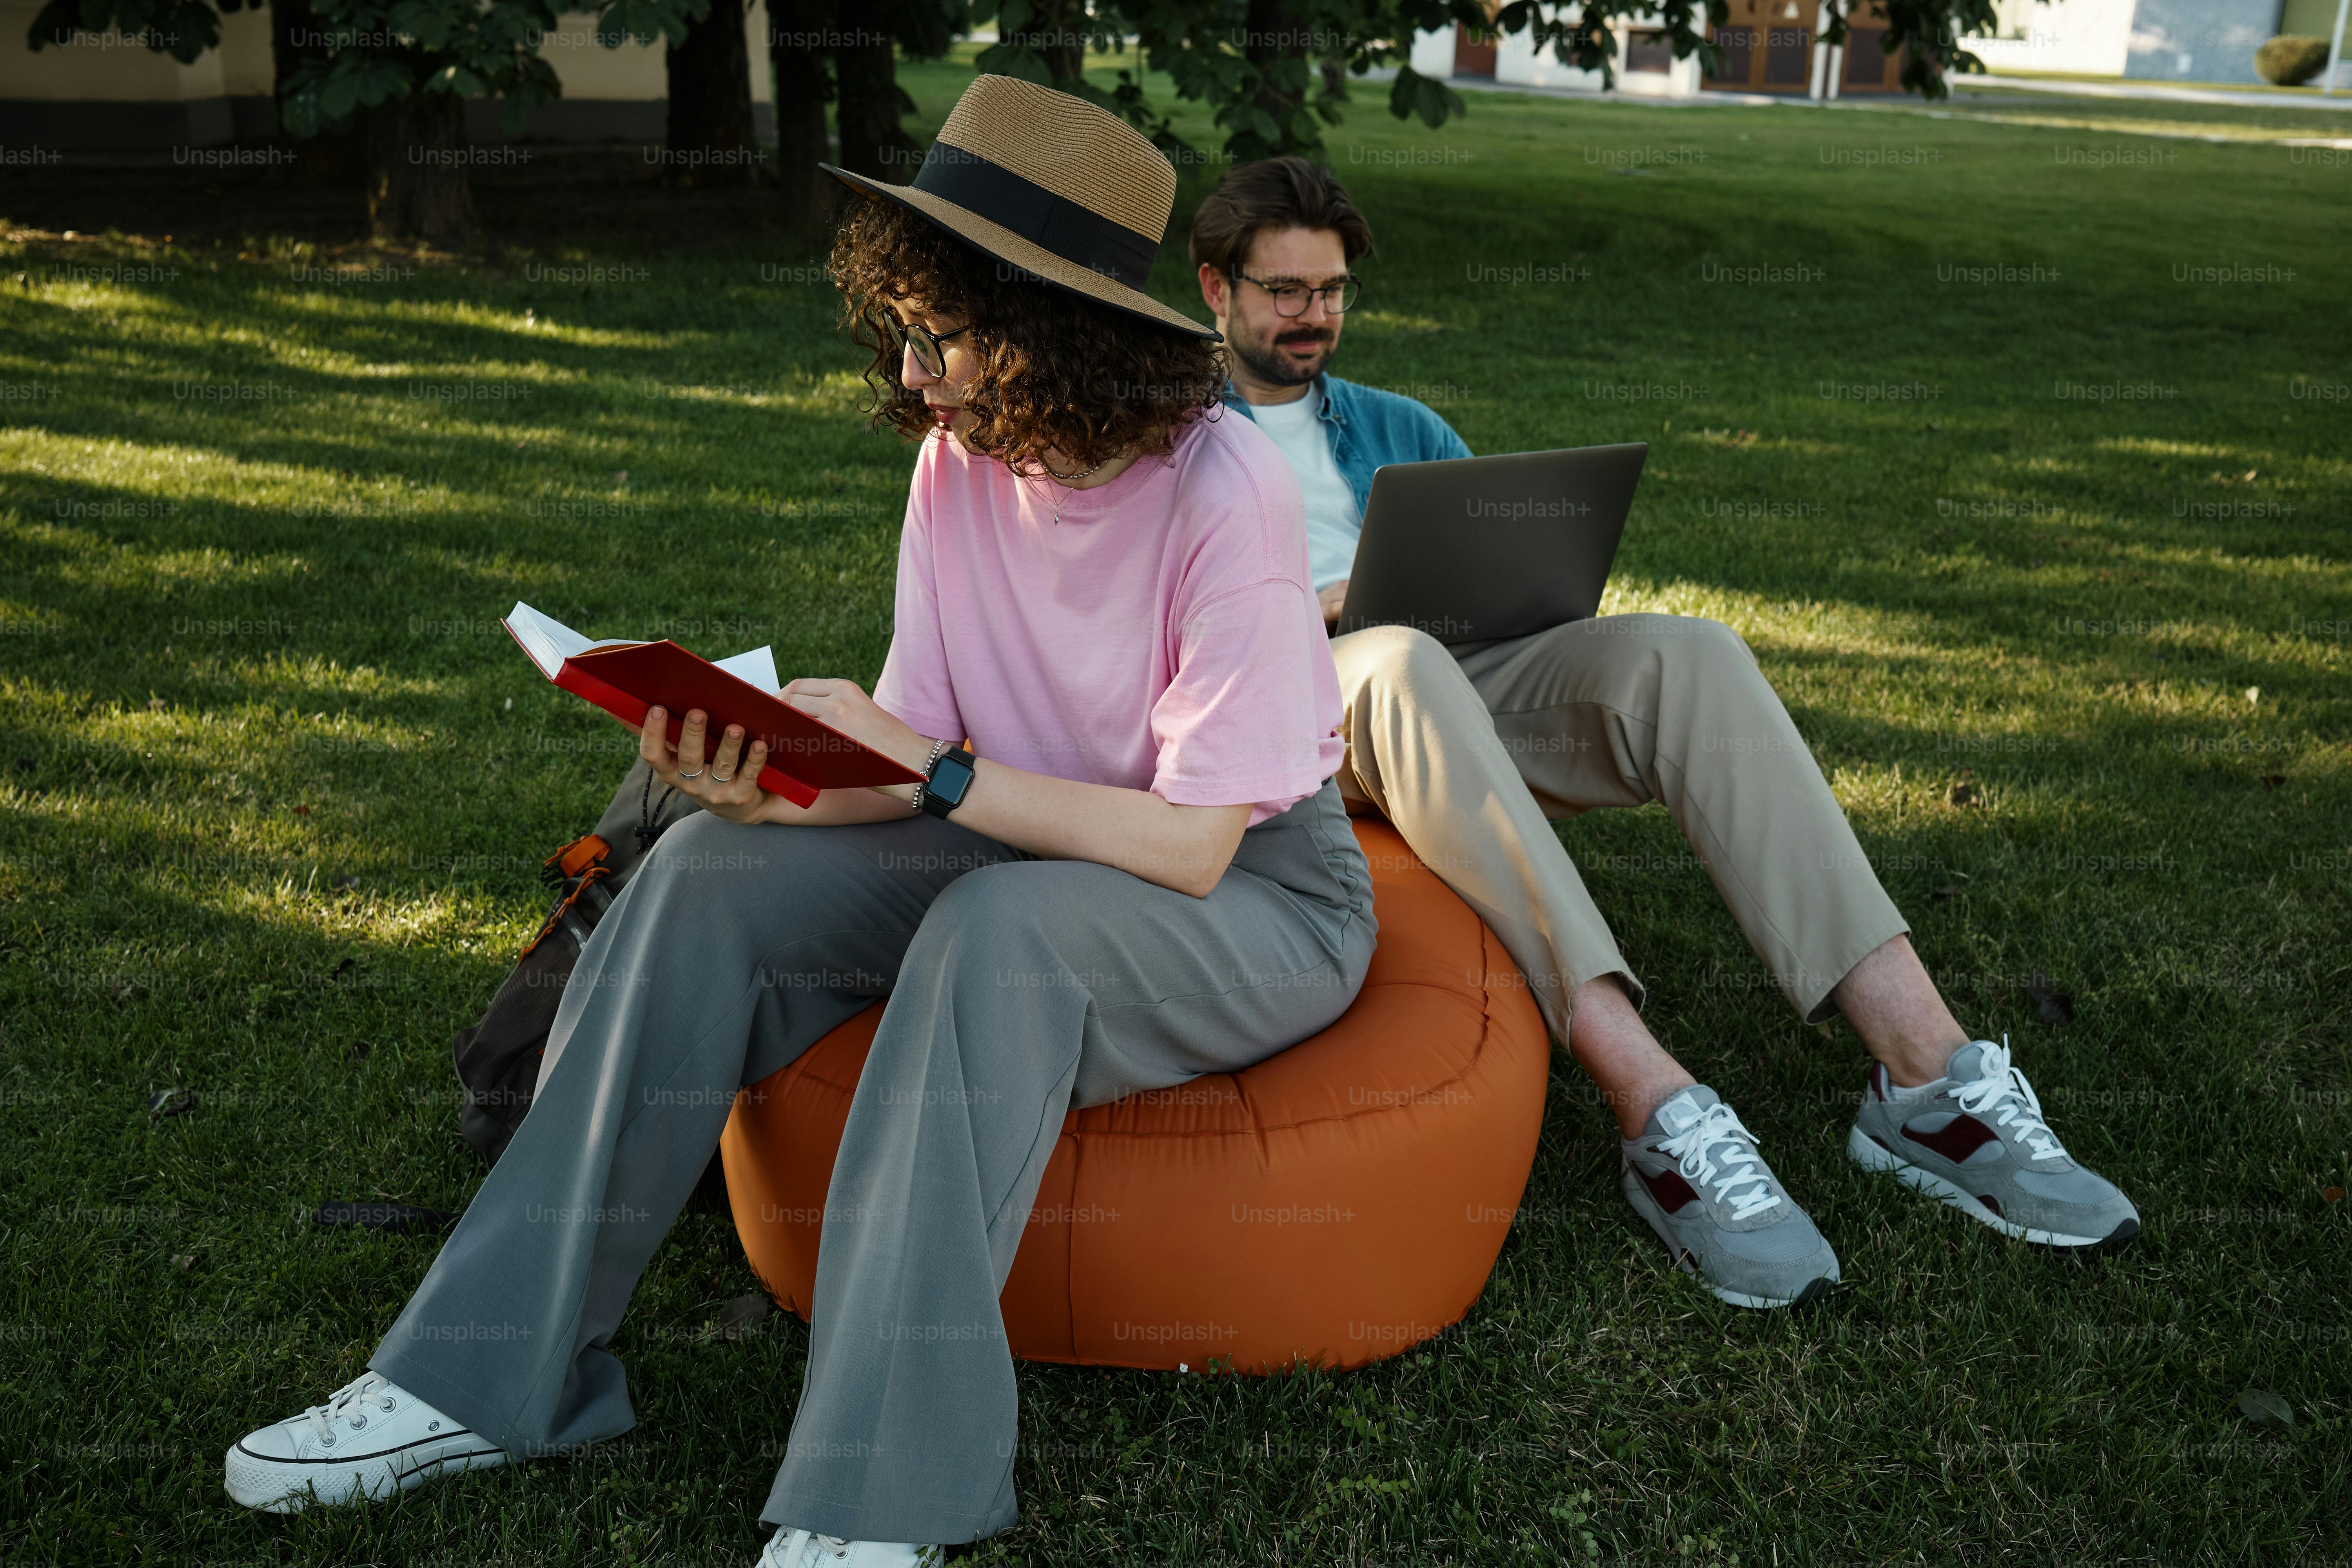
pixel 943 787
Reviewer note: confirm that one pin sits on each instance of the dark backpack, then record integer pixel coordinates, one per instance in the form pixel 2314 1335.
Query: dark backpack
pixel 498 1059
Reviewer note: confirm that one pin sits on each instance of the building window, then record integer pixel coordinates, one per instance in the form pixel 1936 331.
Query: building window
pixel 1648 51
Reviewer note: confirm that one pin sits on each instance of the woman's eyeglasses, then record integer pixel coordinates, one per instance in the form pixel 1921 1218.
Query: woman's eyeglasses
pixel 904 335
pixel 1290 297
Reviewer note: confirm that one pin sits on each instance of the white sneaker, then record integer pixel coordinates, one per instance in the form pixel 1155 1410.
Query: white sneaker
pixel 370 1438
pixel 802 1549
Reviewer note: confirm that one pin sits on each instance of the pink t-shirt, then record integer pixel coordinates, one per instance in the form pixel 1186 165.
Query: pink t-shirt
pixel 1161 636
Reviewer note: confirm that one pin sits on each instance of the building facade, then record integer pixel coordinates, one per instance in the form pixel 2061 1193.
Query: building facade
pixel 1774 46
pixel 111 91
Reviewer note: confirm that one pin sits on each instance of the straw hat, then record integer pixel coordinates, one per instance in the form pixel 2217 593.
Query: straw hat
pixel 1052 185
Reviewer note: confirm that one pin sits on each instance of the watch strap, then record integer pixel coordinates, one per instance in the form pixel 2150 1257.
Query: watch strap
pixel 951 776
pixel 915 801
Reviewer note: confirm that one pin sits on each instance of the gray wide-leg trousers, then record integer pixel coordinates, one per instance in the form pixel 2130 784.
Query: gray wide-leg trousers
pixel 1018 987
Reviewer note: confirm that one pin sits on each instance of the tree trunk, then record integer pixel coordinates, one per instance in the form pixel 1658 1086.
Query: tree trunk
pixel 865 77
pixel 417 183
pixel 795 48
pixel 1060 34
pixel 710 137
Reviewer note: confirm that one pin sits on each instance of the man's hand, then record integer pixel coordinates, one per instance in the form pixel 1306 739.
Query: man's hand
pixel 1330 600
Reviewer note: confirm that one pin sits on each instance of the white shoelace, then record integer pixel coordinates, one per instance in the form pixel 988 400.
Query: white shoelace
pixel 805 1547
pixel 366 1389
pixel 1694 1148
pixel 2001 1087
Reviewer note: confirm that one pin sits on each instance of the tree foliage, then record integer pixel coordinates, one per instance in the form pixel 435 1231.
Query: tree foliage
pixel 1273 72
pixel 183 29
pixel 1276 73
pixel 380 51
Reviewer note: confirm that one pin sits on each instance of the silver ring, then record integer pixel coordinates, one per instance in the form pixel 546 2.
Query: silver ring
pixel 715 779
pixel 694 774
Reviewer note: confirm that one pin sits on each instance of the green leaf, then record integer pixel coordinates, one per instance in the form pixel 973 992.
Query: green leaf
pixel 382 81
pixel 340 97
pixel 2264 1408
pixel 1404 93
pixel 195 29
pixel 1438 103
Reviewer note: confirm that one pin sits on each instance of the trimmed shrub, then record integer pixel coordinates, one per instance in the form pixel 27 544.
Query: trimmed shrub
pixel 2290 61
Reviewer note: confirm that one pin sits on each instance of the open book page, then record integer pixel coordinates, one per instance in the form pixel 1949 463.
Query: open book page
pixel 757 667
pixel 549 642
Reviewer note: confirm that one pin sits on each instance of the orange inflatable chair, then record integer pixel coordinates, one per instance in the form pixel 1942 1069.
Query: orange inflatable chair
pixel 1337 1204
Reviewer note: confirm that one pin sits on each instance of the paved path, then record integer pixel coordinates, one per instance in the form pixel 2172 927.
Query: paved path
pixel 2161 91
pixel 1972 91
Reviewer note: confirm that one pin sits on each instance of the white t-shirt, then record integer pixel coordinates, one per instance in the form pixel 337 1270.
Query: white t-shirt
pixel 1333 522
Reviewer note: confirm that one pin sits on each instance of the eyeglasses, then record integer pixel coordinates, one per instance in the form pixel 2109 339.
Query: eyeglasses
pixel 1290 298
pixel 903 335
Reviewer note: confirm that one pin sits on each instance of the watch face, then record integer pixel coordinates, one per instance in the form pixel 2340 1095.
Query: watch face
pixel 954 776
pixel 950 776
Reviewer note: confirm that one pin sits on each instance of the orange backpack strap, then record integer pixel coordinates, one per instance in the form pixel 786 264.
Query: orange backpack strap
pixel 580 865
pixel 576 857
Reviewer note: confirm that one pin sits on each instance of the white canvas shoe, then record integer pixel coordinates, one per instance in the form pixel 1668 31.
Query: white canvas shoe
pixel 803 1549
pixel 371 1439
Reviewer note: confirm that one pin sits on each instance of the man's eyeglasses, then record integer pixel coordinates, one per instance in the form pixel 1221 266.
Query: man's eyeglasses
pixel 903 335
pixel 1290 297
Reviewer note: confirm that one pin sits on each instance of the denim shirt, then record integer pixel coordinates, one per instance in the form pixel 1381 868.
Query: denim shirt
pixel 1369 428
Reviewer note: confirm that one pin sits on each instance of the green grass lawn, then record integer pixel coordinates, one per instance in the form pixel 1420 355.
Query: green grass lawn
pixel 274 787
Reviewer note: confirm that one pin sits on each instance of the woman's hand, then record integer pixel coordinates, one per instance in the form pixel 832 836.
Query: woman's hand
pixel 726 784
pixel 843 705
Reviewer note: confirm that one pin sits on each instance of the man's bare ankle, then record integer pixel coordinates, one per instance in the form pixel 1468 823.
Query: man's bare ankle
pixel 1634 1107
pixel 1910 1067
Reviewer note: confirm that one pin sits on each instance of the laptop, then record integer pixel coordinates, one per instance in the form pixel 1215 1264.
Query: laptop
pixel 1477 549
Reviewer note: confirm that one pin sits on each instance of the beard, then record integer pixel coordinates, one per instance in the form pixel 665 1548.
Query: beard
pixel 1265 362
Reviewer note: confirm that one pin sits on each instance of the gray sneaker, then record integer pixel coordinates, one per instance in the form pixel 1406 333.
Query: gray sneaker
pixel 1694 1173
pixel 1975 1138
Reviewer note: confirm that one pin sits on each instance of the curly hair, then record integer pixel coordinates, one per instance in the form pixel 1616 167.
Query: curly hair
pixel 1057 371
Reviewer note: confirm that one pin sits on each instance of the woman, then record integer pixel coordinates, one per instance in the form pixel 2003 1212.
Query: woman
pixel 1146 874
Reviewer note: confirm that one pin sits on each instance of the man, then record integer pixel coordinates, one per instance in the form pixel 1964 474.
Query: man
pixel 1468 750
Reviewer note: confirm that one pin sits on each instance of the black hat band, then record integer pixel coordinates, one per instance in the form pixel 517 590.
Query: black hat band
pixel 1070 231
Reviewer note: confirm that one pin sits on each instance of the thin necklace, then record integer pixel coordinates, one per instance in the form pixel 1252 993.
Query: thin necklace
pixel 1065 481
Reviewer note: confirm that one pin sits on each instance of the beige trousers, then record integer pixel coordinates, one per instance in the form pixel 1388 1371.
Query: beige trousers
pixel 1468 757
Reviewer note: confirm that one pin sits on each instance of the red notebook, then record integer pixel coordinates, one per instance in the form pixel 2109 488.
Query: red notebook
pixel 625 679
